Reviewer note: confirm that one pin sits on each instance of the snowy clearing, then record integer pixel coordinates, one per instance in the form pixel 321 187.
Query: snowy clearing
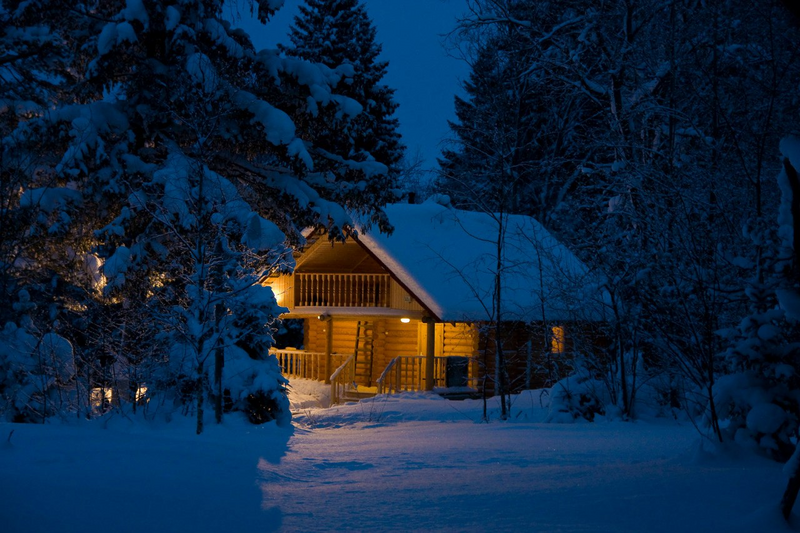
pixel 410 462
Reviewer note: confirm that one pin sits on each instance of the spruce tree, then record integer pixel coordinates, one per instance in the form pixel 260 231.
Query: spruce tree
pixel 339 33
pixel 490 163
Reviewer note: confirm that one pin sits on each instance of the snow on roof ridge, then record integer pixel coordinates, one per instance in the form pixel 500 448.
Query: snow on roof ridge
pixel 404 276
pixel 463 242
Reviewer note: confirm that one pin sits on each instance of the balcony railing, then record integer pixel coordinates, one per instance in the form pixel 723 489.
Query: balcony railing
pixel 341 290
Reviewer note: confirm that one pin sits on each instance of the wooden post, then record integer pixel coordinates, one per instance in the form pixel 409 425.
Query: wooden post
pixel 793 487
pixel 328 349
pixel 430 353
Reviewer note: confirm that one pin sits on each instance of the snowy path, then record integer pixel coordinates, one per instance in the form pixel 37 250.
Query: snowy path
pixel 462 476
pixel 417 474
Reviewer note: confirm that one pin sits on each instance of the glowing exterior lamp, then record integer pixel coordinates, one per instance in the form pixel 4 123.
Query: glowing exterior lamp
pixel 405 320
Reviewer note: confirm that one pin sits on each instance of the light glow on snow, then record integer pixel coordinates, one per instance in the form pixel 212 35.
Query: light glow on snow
pixel 408 452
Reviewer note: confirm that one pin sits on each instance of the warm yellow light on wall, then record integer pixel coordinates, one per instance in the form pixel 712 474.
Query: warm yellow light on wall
pixel 279 296
pixel 405 320
pixel 557 339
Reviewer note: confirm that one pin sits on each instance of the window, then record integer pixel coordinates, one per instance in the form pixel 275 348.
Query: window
pixel 557 339
pixel 100 399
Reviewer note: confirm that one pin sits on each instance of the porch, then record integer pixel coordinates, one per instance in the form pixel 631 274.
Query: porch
pixel 452 375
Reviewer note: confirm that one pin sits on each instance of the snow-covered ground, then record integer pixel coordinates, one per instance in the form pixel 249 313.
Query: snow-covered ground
pixel 412 462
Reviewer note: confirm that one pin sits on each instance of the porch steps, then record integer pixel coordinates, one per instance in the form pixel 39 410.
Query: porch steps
pixel 354 395
pixel 363 351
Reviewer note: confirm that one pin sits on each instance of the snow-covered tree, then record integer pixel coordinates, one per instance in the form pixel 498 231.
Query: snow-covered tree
pixel 340 32
pixel 758 395
pixel 179 161
pixel 654 124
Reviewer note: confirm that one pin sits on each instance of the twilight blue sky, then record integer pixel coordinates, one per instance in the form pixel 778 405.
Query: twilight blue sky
pixel 420 69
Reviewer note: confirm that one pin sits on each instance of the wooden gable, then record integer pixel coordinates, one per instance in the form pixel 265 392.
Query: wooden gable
pixel 329 276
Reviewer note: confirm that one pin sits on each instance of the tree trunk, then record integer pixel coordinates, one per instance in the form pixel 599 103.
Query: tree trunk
pixel 793 487
pixel 200 398
pixel 500 360
pixel 219 314
pixel 219 362
pixel 794 183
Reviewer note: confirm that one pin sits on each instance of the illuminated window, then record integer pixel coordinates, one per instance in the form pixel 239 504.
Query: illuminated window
pixel 100 398
pixel 557 339
pixel 141 391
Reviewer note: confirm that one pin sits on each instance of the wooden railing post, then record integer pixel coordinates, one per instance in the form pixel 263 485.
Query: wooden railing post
pixel 328 349
pixel 430 353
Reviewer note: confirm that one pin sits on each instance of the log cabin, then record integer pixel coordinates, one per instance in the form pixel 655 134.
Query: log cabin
pixel 420 309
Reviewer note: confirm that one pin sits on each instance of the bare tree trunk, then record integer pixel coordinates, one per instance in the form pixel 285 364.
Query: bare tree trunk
pixel 502 379
pixel 219 362
pixel 793 487
pixel 219 313
pixel 200 395
pixel 794 183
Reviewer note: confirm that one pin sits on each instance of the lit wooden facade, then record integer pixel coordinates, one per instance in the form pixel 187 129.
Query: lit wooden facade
pixel 344 294
pixel 365 332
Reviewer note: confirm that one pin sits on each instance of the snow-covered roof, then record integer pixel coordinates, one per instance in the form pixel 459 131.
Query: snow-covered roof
pixel 448 258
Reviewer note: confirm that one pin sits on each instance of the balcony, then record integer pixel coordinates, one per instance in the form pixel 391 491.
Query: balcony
pixel 342 290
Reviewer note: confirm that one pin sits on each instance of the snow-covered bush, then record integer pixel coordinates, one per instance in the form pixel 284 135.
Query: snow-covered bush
pixel 591 391
pixel 578 396
pixel 256 387
pixel 36 375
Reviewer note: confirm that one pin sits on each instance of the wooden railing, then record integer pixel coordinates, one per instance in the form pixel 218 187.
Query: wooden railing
pixel 343 379
pixel 341 290
pixel 305 365
pixel 389 382
pixel 407 373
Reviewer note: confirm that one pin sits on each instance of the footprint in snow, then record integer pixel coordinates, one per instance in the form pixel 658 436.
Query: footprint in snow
pixel 347 465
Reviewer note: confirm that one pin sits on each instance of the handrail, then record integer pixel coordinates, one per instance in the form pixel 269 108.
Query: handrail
pixel 342 378
pixel 407 373
pixel 301 364
pixel 384 383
